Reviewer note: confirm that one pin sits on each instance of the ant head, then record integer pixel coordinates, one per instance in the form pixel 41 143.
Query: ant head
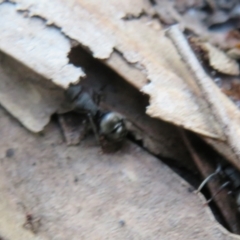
pixel 112 126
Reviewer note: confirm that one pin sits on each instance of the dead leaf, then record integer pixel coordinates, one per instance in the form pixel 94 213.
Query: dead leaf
pixel 12 219
pixel 103 29
pixel 80 193
pixel 127 40
pixel 27 96
pixel 139 45
pixel 224 112
pixel 43 49
pixel 220 61
pixel 184 5
pixel 127 70
pixel 234 53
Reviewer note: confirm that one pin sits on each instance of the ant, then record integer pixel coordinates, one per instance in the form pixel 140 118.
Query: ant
pixel 109 127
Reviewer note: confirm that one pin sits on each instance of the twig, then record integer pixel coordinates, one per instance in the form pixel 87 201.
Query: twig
pixel 225 203
pixel 206 85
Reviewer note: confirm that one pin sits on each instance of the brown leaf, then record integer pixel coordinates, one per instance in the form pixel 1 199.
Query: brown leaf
pixel 80 193
pixel 220 61
pixel 43 49
pixel 155 55
pixel 140 46
pixel 27 96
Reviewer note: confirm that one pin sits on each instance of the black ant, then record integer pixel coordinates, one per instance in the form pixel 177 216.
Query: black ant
pixel 109 127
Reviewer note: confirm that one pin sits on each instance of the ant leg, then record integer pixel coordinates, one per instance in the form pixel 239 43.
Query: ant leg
pixel 208 178
pixel 93 125
pixel 218 191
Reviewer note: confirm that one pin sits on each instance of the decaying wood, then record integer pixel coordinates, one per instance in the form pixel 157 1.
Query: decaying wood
pixel 208 91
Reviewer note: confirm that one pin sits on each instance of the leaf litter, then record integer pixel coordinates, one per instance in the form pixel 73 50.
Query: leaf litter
pixel 140 52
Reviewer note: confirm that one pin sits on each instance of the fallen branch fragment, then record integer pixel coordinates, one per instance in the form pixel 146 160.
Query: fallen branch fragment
pixel 206 85
pixel 225 203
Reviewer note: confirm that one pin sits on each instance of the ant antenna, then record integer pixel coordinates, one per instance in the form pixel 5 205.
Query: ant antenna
pixel 208 178
pixel 218 191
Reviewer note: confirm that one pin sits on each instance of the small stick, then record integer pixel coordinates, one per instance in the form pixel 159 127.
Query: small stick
pixel 206 85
